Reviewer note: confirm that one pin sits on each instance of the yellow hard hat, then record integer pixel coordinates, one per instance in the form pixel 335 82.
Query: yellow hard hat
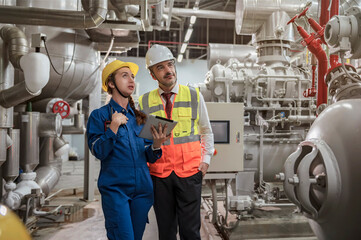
pixel 113 66
pixel 10 225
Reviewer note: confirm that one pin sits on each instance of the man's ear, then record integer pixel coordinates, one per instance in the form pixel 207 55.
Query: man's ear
pixel 153 76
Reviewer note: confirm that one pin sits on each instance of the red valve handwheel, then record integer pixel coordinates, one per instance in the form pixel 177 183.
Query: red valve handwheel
pixel 61 107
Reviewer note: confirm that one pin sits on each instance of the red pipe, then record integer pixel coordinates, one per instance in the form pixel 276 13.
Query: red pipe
pixel 166 42
pixel 325 15
pixel 334 11
pixel 315 47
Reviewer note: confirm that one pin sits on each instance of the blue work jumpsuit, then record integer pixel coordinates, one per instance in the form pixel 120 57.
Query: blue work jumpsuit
pixel 124 180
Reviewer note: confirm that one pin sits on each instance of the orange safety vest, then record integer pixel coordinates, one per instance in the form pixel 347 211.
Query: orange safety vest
pixel 182 152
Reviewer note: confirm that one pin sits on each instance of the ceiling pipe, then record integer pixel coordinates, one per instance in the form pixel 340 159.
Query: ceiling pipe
pixel 183 12
pixel 92 18
pixel 250 14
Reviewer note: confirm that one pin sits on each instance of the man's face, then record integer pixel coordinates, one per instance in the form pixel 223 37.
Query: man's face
pixel 165 73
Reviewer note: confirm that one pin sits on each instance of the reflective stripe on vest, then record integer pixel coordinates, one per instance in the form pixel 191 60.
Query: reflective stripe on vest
pixel 182 153
pixel 185 111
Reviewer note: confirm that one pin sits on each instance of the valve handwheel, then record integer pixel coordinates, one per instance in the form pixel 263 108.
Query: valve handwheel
pixel 61 107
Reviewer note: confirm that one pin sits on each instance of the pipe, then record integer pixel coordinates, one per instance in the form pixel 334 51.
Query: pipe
pixel 261 159
pixel 124 10
pixel 17 44
pixel 159 13
pixel 334 11
pixel 13 199
pixel 302 119
pixel 212 182
pixel 54 212
pixel 184 12
pixel 36 68
pixel 167 42
pixel 325 14
pixel 17 94
pixel 77 128
pixel 315 47
pixel 96 14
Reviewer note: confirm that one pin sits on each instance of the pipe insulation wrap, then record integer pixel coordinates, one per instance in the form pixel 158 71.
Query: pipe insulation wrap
pixel 36 68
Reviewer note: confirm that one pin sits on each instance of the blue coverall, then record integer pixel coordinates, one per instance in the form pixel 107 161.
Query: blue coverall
pixel 124 181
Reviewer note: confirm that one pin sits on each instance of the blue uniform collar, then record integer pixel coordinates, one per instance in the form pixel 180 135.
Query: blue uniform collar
pixel 118 108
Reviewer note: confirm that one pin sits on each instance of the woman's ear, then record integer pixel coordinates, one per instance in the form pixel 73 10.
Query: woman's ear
pixel 111 84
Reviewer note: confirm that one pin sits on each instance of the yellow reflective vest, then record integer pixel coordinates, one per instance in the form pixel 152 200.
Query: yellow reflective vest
pixel 182 153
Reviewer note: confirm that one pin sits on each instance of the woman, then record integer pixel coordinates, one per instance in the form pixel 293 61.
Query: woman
pixel 124 180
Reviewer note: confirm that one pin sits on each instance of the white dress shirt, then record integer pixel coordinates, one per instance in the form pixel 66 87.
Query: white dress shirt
pixel 205 129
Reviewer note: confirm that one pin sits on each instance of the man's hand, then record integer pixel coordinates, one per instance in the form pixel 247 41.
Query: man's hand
pixel 203 167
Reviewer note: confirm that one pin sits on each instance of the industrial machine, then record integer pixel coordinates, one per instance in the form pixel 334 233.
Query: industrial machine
pixel 284 109
pixel 299 130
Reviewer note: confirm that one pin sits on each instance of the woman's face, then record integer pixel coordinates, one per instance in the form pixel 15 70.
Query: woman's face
pixel 124 79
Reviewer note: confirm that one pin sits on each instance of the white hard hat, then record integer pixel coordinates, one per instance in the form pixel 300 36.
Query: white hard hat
pixel 156 54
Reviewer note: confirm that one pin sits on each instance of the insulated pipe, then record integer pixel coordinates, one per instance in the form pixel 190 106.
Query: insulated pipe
pixel 251 14
pixel 77 128
pixel 10 169
pixel 17 44
pixel 334 11
pixel 36 68
pixel 202 13
pixel 15 95
pixel 92 18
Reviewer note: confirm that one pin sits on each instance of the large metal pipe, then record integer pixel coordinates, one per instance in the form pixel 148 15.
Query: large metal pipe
pixel 251 14
pixel 49 170
pixel 31 64
pixel 221 53
pixel 50 125
pixel 183 12
pixel 95 16
pixel 17 44
pixel 17 94
pixel 10 169
pixel 3 136
pixel 29 140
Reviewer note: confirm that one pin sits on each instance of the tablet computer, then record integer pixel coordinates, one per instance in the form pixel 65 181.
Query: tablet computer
pixel 155 120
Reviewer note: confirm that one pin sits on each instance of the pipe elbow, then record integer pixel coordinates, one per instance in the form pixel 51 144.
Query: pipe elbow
pixel 36 68
pixel 96 14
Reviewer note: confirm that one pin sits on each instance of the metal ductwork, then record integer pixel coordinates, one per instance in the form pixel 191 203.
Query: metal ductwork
pixel 18 45
pixel 123 10
pixel 182 12
pixel 251 14
pixel 34 66
pixel 96 14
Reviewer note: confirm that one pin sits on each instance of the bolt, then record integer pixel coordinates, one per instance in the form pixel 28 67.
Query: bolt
pixel 294 180
pixel 280 176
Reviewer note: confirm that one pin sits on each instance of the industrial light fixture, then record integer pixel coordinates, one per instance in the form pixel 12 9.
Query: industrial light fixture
pixel 180 57
pixel 183 48
pixel 193 20
pixel 188 34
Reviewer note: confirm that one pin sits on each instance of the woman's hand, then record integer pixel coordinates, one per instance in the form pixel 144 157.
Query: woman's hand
pixel 117 120
pixel 159 136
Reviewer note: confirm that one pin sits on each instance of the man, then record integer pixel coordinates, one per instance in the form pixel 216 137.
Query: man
pixel 177 175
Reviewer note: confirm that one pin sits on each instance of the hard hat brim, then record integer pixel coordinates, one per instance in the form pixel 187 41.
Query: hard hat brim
pixel 114 66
